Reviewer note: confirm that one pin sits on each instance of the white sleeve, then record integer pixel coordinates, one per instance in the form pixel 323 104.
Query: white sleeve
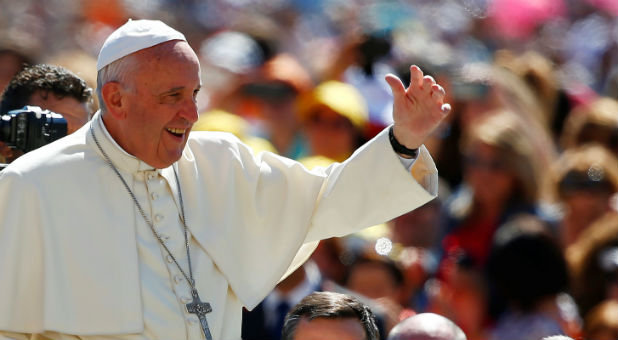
pixel 407 162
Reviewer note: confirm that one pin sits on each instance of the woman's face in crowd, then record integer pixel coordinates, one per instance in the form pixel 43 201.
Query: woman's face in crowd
pixel 330 134
pixel 488 174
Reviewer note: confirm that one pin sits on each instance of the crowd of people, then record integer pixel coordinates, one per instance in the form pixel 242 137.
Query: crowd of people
pixel 521 240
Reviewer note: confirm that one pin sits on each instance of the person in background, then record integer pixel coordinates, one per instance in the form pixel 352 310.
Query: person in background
pixel 539 74
pixel 333 116
pixel 82 64
pixel 460 292
pixel 273 95
pixel 52 88
pixel 329 315
pixel 595 121
pixel 12 61
pixel 426 326
pixel 593 263
pixel 219 120
pixel 528 273
pixel 228 60
pixel 381 279
pixel 585 180
pixel 502 178
pixel 601 323
pixel 418 236
pixel 375 277
pixel 266 320
pixel 557 337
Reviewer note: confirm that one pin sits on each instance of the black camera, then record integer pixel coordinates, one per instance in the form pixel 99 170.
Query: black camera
pixel 31 127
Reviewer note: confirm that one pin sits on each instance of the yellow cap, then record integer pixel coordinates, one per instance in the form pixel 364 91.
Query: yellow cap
pixel 342 98
pixel 219 120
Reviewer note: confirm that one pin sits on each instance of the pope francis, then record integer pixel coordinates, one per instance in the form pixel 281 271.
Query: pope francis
pixel 133 228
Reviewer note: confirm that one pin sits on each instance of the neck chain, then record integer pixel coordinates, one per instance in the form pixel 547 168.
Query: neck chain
pixel 189 277
pixel 196 307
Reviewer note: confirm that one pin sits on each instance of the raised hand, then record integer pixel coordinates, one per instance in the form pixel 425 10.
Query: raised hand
pixel 417 110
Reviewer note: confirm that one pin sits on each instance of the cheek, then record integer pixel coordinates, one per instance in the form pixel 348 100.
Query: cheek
pixel 504 182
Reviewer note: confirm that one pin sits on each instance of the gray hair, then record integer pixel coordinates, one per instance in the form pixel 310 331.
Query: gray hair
pixel 120 71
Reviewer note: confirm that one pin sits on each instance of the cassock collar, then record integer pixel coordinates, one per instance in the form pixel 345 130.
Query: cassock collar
pixel 121 159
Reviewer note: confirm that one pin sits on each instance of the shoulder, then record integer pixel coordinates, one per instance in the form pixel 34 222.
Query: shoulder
pixel 213 137
pixel 43 161
pixel 217 144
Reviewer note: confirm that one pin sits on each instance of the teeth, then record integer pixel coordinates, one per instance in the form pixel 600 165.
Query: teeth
pixel 176 131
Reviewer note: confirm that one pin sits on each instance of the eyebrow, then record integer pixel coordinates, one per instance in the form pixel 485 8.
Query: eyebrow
pixel 174 89
pixel 178 88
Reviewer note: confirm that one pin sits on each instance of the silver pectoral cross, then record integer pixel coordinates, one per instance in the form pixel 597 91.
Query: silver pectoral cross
pixel 200 309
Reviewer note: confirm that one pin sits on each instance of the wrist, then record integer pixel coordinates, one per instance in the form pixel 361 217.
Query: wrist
pixel 399 148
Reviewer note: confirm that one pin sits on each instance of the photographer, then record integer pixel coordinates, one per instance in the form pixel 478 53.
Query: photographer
pixel 52 88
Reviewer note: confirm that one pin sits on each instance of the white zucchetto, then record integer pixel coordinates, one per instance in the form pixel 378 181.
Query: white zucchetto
pixel 133 36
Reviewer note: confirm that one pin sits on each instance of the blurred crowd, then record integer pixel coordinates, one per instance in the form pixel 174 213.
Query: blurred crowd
pixel 522 241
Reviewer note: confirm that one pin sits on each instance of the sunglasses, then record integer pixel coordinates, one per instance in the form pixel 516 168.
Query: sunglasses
pixel 336 123
pixel 593 180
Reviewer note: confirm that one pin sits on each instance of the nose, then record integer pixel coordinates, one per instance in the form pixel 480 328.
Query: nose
pixel 189 111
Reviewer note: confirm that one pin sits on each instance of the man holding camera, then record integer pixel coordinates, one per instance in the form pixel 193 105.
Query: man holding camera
pixel 49 87
pixel 132 228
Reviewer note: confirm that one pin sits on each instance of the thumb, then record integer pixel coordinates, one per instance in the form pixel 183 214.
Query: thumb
pixel 396 85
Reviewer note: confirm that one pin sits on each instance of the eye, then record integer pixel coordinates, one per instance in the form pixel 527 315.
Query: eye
pixel 170 98
pixel 195 94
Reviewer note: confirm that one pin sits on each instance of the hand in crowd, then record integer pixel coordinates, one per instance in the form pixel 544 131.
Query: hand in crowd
pixel 7 153
pixel 417 110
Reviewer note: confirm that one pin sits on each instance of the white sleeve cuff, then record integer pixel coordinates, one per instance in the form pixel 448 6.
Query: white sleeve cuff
pixel 407 162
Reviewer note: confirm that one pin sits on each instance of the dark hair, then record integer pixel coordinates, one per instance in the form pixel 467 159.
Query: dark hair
pixel 330 305
pixel 369 258
pixel 526 264
pixel 46 78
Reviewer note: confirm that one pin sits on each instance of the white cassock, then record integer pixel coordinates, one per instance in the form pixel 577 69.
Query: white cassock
pixel 77 258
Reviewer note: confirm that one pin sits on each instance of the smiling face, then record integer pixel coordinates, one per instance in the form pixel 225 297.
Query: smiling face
pixel 151 117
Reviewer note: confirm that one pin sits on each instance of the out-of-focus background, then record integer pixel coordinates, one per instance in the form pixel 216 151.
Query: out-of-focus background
pixel 522 241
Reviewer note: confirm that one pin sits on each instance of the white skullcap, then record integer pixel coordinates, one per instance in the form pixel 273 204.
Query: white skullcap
pixel 133 36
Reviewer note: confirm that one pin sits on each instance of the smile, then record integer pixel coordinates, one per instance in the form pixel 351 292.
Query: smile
pixel 176 132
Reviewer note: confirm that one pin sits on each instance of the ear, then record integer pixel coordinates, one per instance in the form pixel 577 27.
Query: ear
pixel 112 96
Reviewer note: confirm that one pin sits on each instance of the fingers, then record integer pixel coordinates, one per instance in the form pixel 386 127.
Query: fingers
pixel 418 80
pixel 396 85
pixel 428 83
pixel 446 108
pixel 437 92
pixel 421 86
pixel 416 77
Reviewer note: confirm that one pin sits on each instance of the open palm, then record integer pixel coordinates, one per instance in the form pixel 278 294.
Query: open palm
pixel 417 110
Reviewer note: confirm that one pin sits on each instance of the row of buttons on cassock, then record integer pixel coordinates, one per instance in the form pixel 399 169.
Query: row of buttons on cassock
pixel 178 279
